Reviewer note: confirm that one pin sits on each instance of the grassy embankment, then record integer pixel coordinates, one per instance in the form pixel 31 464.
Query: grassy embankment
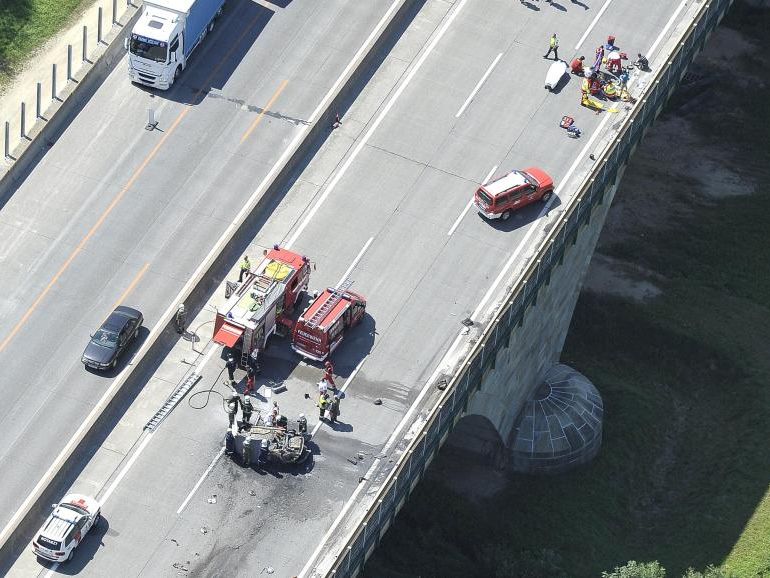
pixel 26 24
pixel 683 475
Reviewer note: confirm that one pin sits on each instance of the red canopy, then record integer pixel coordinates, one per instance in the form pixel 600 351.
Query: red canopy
pixel 228 335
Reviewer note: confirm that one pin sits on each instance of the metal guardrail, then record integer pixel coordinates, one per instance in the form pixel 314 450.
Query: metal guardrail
pixel 412 463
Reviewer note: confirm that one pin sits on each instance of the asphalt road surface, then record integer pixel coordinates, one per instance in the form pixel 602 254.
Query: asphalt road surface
pixel 114 213
pixel 460 98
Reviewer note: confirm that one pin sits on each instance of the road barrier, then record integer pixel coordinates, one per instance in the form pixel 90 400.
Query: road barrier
pixel 413 460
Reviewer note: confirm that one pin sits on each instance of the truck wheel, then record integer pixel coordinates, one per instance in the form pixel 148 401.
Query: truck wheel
pixel 505 215
pixel 177 72
pixel 547 196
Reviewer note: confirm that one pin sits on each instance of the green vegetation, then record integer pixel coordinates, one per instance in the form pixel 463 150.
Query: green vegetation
pixel 683 474
pixel 26 24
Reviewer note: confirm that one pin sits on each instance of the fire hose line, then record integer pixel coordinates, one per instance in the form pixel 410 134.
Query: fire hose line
pixel 208 393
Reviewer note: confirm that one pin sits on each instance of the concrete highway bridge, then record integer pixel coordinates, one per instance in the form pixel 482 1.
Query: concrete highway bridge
pixel 465 320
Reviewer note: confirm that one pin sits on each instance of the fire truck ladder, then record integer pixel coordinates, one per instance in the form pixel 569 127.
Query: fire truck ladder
pixel 332 300
pixel 172 401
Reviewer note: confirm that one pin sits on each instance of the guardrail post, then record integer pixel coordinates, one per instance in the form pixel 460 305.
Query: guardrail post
pixel 53 81
pixel 99 26
pixel 114 11
pixel 85 43
pixel 23 127
pixel 69 62
pixel 7 139
pixel 38 100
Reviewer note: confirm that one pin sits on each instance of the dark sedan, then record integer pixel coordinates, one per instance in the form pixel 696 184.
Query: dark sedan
pixel 112 338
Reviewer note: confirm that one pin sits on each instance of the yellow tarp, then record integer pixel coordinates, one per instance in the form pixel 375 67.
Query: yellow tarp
pixel 277 271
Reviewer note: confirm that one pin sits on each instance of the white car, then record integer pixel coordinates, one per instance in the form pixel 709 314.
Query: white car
pixel 66 527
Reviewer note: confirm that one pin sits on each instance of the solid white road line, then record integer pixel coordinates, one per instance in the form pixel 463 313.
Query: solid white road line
pixel 200 481
pixel 347 273
pixel 124 471
pixel 146 441
pixel 593 23
pixel 665 30
pixel 345 385
pixel 450 352
pixel 353 373
pixel 478 86
pixel 383 113
pixel 532 226
pixel 469 205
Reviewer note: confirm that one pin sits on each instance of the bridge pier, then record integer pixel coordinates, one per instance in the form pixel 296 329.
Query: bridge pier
pixel 526 376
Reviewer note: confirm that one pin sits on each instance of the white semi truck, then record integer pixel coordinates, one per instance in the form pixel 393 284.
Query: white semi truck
pixel 165 36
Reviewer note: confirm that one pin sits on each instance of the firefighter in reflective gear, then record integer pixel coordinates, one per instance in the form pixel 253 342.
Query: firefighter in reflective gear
pixel 329 374
pixel 231 365
pixel 247 410
pixel 180 319
pixel 232 408
pixel 323 403
pixel 334 409
pixel 553 46
pixel 245 268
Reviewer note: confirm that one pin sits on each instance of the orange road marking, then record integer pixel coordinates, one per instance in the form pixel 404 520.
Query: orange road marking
pixel 92 231
pixel 127 186
pixel 130 288
pixel 264 110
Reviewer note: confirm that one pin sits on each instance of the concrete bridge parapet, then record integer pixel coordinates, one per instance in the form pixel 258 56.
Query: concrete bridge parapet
pixel 514 353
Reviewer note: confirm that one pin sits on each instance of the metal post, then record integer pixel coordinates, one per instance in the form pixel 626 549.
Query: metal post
pixel 53 81
pixel 114 11
pixel 85 43
pixel 69 62
pixel 23 130
pixel 38 100
pixel 7 139
pixel 99 27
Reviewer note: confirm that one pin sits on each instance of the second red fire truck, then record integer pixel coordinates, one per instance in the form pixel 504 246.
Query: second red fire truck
pixel 320 329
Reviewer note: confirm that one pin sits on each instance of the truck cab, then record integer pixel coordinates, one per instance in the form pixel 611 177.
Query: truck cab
pixel 164 37
pixel 500 197
pixel 321 328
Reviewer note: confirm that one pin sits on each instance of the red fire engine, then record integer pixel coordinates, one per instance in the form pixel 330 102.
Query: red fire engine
pixel 255 310
pixel 322 326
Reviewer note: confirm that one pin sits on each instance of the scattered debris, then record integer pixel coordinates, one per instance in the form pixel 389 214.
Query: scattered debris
pixel 353 461
pixel 360 455
pixel 174 541
pixel 442 384
pixel 212 499
pixel 204 530
pixel 468 322
pixel 180 566
pixel 268 570
pixel 378 401
pixel 252 493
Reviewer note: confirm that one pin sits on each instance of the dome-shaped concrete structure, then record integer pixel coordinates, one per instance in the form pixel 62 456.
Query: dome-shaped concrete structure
pixel 560 427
